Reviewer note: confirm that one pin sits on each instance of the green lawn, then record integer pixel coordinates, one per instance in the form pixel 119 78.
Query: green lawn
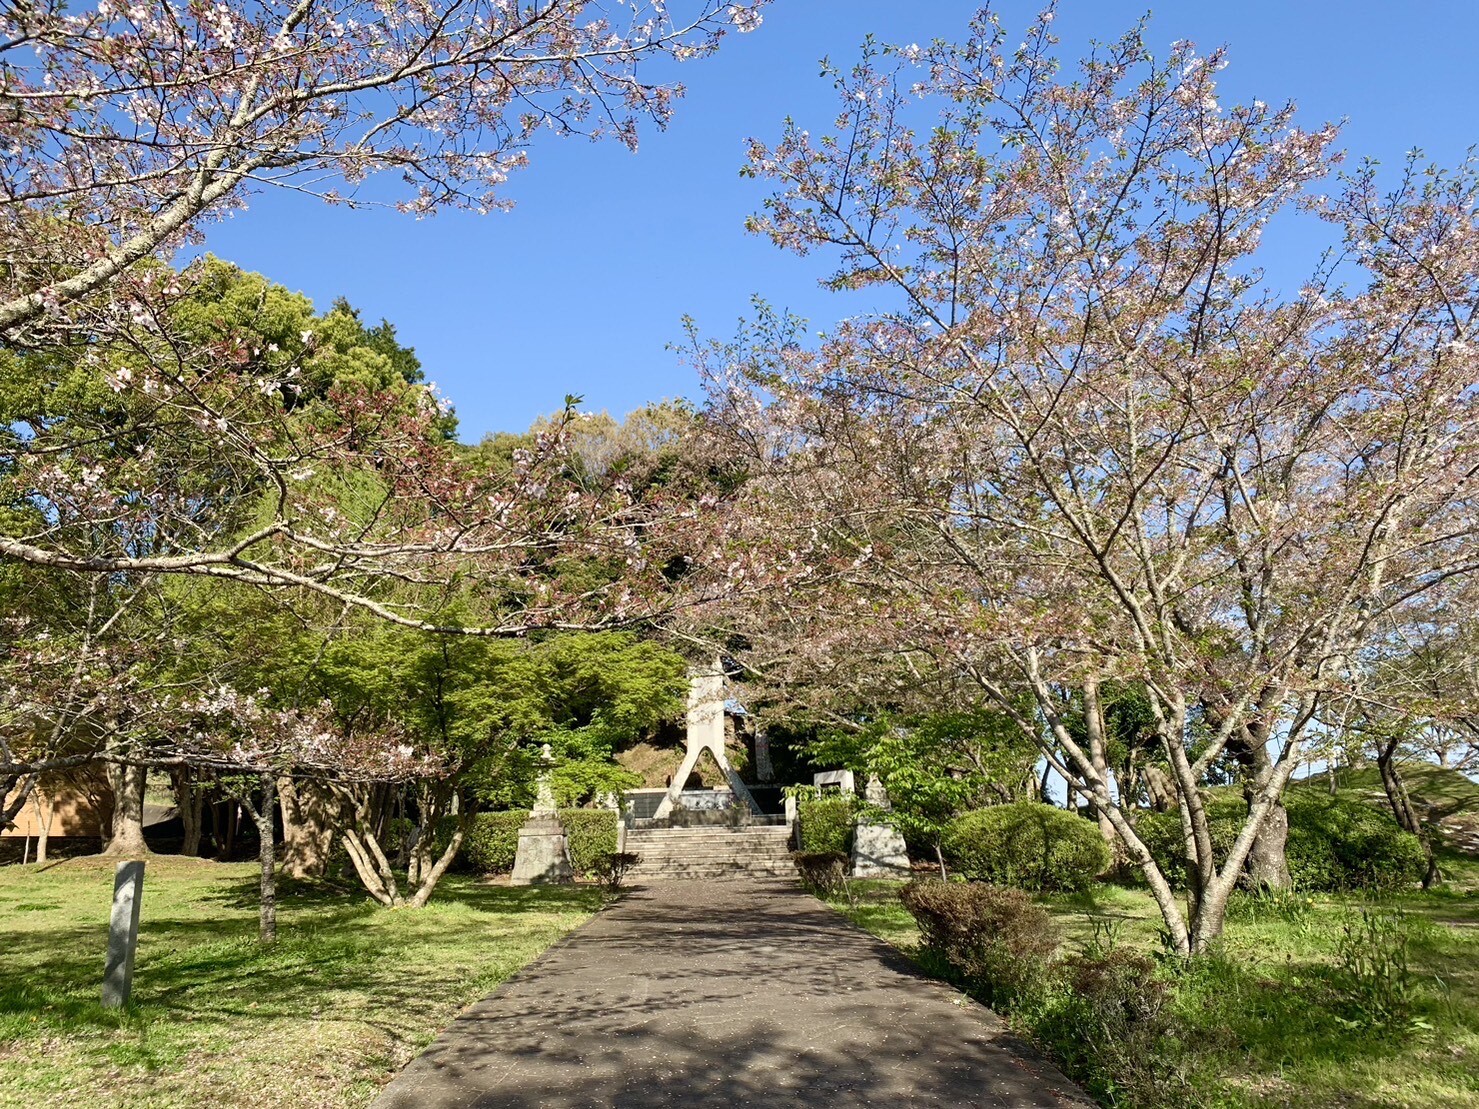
pixel 350 992
pixel 1267 1029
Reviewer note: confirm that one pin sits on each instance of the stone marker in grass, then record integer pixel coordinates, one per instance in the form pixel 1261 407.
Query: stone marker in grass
pixel 123 934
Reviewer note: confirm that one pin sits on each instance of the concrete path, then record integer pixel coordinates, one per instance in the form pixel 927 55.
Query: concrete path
pixel 725 994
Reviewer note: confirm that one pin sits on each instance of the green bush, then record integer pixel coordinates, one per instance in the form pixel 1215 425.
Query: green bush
pixel 1110 1022
pixel 493 840
pixel 998 941
pixel 1339 843
pixel 610 868
pixel 592 834
pixel 826 824
pixel 1028 845
pixel 1335 843
pixel 823 873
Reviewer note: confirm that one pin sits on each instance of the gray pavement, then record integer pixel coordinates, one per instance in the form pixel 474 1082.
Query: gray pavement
pixel 700 994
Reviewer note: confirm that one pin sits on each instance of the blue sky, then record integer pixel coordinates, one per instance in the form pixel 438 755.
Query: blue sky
pixel 583 285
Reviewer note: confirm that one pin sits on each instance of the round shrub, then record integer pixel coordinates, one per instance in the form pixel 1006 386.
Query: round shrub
pixel 823 873
pixel 592 833
pixel 1339 843
pixel 1028 845
pixel 997 940
pixel 826 824
pixel 1335 843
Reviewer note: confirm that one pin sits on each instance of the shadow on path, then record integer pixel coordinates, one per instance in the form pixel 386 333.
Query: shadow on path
pixel 720 994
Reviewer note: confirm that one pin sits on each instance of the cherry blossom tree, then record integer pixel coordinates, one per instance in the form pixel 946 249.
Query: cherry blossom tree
pixel 126 127
pixel 1081 439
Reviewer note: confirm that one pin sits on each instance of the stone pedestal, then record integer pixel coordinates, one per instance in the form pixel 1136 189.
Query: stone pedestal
pixel 878 852
pixel 543 857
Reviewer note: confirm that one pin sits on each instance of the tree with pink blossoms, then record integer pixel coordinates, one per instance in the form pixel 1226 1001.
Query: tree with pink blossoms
pixel 1080 439
pixel 128 127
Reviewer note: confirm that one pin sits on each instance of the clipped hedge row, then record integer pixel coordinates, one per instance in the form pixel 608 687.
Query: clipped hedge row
pixel 1027 845
pixel 493 841
pixel 1335 843
pixel 826 824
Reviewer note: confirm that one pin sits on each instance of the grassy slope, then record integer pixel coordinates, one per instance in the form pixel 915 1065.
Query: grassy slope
pixel 324 1018
pixel 1267 1028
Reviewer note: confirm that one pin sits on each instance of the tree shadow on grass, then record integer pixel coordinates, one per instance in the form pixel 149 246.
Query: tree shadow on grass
pixel 338 956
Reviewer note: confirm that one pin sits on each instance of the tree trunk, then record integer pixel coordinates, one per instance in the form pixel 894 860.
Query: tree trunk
pixel 1268 865
pixel 1094 723
pixel 377 872
pixel 940 859
pixel 190 803
pixel 126 834
pixel 263 816
pixel 1403 809
pixel 43 824
pixel 309 815
pixel 233 818
pixel 11 803
pixel 1160 788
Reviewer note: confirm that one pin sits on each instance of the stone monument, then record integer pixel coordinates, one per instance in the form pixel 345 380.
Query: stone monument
pixel 543 858
pixel 878 849
pixel 705 734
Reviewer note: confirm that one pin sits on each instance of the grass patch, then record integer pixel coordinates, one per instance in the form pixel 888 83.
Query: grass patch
pixel 1269 1020
pixel 347 996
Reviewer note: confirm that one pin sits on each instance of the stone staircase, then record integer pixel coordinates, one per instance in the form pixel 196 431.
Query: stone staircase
pixel 757 851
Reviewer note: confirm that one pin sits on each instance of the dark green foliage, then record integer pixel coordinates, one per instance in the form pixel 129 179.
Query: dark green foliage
pixel 1338 843
pixel 827 824
pixel 592 834
pixel 493 840
pixel 1335 843
pixel 997 940
pixel 823 873
pixel 1028 845
pixel 610 868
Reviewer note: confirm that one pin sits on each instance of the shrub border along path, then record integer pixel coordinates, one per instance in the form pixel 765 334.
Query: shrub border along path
pixel 722 993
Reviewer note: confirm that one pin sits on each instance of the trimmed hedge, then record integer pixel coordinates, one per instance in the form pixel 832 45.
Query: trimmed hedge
pixel 1027 845
pixel 1335 844
pixel 493 841
pixel 823 873
pixel 996 939
pixel 826 824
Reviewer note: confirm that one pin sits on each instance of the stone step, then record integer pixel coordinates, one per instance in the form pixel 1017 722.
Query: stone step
pixel 729 864
pixel 710 852
pixel 749 830
pixel 633 843
pixel 735 856
pixel 707 837
pixel 655 874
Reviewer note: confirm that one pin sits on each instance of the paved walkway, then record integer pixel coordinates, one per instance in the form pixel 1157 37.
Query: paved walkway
pixel 724 994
